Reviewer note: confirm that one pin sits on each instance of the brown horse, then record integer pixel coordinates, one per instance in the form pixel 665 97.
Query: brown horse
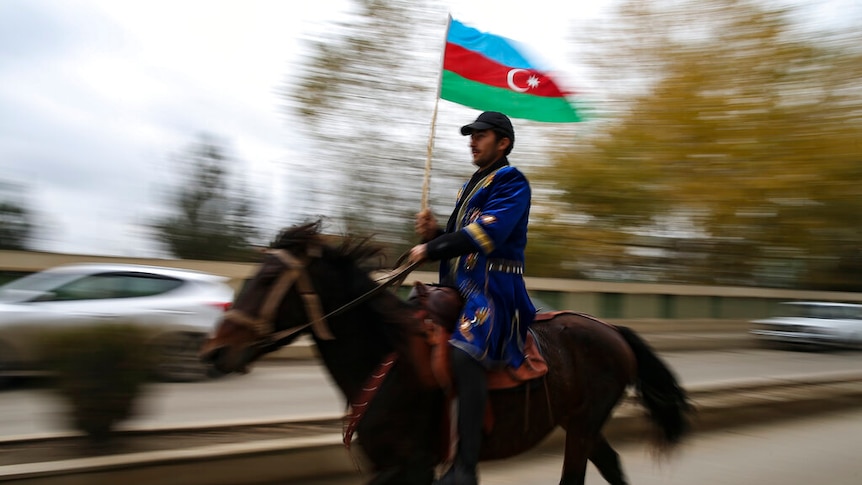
pixel 591 364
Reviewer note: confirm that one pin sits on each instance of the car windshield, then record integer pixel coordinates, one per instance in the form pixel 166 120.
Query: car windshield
pixel 33 285
pixel 830 312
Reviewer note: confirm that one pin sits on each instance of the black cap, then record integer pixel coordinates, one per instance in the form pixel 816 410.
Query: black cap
pixel 491 120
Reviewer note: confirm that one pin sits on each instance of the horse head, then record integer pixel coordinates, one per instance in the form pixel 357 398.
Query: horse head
pixel 300 279
pixel 269 302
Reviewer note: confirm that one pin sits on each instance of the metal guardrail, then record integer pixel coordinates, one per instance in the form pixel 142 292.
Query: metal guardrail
pixel 617 302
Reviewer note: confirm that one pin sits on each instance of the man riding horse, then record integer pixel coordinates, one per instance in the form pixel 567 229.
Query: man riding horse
pixel 481 253
pixel 365 338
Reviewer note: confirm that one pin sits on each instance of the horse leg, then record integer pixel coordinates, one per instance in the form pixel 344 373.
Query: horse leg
pixel 607 460
pixel 578 448
pixel 584 440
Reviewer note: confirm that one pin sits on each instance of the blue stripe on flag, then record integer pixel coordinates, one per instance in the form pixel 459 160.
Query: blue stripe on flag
pixel 494 47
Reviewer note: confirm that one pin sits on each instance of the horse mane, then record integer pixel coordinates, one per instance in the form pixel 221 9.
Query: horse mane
pixel 393 315
pixel 302 238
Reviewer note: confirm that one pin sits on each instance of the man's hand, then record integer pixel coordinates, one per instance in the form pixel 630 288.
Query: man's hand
pixel 419 253
pixel 426 225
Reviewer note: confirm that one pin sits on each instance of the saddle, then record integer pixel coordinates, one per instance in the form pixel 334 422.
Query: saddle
pixel 439 308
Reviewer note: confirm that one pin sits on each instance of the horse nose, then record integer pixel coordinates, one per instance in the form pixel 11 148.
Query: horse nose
pixel 225 361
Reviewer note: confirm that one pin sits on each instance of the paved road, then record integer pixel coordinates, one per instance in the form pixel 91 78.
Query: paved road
pixel 302 389
pixel 819 449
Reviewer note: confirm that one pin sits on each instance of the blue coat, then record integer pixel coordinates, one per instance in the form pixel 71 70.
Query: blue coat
pixel 497 310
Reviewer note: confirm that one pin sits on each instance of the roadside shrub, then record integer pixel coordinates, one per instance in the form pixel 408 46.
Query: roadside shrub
pixel 100 370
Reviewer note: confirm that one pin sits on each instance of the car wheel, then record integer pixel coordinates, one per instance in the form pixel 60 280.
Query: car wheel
pixel 178 361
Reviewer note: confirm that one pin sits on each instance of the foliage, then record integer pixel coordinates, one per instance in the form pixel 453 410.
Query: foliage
pixel 728 154
pixel 212 220
pixel 365 100
pixel 100 370
pixel 17 220
pixel 15 226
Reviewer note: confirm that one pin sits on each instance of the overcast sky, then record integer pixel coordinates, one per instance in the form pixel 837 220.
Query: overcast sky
pixel 96 96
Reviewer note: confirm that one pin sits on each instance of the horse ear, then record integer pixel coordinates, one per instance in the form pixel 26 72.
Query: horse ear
pixel 419 294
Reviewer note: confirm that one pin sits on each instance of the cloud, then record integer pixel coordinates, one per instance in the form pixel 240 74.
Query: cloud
pixel 33 31
pixel 97 97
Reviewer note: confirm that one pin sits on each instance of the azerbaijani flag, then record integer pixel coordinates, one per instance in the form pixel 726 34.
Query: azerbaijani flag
pixel 488 72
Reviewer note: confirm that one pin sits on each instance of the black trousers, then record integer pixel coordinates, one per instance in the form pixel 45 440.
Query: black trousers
pixel 472 387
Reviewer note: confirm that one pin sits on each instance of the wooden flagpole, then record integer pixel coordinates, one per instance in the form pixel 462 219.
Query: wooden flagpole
pixel 426 183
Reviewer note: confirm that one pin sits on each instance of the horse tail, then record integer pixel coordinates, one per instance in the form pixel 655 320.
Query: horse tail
pixel 666 401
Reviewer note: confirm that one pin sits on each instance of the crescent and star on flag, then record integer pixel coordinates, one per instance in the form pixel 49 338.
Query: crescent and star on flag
pixel 532 81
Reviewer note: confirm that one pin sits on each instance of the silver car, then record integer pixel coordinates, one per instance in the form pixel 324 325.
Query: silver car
pixel 822 324
pixel 180 307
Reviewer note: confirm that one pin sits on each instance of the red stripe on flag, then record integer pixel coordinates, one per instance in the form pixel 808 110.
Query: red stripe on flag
pixel 476 67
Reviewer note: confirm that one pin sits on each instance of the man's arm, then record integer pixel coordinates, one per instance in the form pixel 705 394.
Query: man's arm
pixel 437 244
pixel 450 245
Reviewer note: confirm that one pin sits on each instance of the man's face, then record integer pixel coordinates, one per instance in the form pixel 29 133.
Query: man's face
pixel 485 147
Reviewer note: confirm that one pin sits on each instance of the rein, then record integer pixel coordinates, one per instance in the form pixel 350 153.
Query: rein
pixel 295 272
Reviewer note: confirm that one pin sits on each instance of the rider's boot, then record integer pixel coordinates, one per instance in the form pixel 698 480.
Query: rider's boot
pixel 472 387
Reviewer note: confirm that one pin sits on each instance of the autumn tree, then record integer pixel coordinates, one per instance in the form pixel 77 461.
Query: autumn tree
pixel 212 216
pixel 727 151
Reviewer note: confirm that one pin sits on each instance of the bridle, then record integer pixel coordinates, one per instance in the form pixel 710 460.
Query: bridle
pixel 263 324
pixel 295 273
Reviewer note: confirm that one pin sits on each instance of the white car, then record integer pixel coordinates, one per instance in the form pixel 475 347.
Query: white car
pixel 813 323
pixel 180 307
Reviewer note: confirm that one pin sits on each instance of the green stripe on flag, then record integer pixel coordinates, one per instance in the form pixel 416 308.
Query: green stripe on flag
pixel 516 105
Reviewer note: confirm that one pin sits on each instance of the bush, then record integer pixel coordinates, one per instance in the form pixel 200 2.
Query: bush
pixel 100 370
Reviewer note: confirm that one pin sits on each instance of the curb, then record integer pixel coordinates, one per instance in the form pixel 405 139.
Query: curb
pixel 718 404
pixel 754 401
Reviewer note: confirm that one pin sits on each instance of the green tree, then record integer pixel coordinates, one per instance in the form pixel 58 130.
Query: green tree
pixel 100 370
pixel 17 220
pixel 728 151
pixel 212 219
pixel 15 226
